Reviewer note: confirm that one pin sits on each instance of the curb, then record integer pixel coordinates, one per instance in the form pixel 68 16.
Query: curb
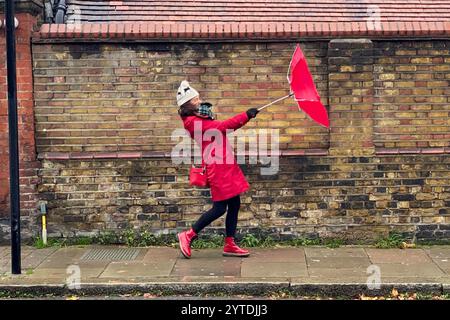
pixel 229 288
pixel 355 289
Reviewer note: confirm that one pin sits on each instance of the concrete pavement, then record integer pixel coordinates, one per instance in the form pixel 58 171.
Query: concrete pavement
pixel 348 270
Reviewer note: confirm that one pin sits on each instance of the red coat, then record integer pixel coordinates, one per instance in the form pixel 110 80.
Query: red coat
pixel 225 177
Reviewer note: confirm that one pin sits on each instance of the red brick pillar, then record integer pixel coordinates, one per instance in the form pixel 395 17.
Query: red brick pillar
pixel 28 13
pixel 351 90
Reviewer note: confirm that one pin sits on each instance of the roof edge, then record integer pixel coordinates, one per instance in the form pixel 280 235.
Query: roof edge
pixel 237 31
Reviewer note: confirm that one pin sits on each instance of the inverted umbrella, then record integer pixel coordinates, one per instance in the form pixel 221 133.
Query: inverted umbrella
pixel 304 90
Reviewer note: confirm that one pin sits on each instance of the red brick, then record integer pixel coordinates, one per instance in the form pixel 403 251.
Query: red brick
pixel 129 29
pixel 258 30
pixel 227 30
pixel 173 31
pixel 189 30
pixel 81 155
pixel 53 32
pixel 152 30
pixel 122 155
pixel 288 30
pixel 204 31
pixel 86 29
pixel 104 30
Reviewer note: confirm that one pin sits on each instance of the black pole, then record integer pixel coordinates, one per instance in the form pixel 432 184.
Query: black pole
pixel 13 137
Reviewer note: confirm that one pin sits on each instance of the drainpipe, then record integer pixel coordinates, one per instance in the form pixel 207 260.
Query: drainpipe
pixel 49 11
pixel 61 12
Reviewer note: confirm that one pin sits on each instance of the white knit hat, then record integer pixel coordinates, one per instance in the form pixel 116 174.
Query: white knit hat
pixel 185 93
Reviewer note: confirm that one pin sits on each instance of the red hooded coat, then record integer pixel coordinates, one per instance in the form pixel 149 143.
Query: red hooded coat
pixel 225 177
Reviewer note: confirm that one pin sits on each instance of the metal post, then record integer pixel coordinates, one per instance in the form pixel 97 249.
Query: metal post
pixel 13 137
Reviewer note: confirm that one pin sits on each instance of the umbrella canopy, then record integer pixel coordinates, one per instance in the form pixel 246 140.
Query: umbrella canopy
pixel 304 89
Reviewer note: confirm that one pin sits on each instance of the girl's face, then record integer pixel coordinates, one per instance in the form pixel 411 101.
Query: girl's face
pixel 195 102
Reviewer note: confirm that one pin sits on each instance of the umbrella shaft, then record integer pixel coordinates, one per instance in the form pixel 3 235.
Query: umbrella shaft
pixel 278 100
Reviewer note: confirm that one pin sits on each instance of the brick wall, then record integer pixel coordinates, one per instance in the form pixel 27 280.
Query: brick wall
pixel 98 101
pixel 28 163
pixel 350 63
pixel 93 97
pixel 412 83
pixel 356 198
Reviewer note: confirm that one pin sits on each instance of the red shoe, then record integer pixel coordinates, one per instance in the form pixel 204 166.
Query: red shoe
pixel 185 239
pixel 231 249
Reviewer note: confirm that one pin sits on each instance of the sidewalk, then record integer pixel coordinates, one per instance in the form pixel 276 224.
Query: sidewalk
pixel 307 270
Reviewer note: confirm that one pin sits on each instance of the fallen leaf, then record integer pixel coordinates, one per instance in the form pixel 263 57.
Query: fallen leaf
pixel 405 245
pixel 394 293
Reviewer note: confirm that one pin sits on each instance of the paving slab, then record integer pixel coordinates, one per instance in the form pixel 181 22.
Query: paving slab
pixel 63 258
pixel 258 269
pixel 207 267
pixel 24 250
pixel 233 279
pixel 5 268
pixel 14 280
pixel 134 280
pixel 337 273
pixel 207 254
pixel 133 269
pixel 4 251
pixel 278 255
pixel 410 270
pixel 64 274
pixel 409 256
pixel 418 279
pixel 24 253
pixel 438 252
pixel 161 253
pixel 30 259
pixel 37 257
pixel 443 264
pixel 309 269
pixel 314 252
pixel 345 278
pixel 338 262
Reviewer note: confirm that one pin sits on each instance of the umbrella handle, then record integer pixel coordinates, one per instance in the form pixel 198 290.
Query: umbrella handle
pixel 278 100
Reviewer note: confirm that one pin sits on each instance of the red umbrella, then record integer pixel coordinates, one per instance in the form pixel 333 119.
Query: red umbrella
pixel 304 90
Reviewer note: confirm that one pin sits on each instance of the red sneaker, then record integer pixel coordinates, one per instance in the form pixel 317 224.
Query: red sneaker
pixel 231 249
pixel 185 239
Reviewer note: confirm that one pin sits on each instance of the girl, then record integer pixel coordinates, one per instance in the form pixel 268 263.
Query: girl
pixel 225 178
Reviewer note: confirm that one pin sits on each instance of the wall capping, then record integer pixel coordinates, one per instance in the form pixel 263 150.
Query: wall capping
pixel 387 151
pixel 156 154
pixel 106 32
pixel 151 154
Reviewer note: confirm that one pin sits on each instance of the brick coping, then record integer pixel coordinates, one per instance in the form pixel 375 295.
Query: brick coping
pixel 387 151
pixel 150 154
pixel 155 154
pixel 236 30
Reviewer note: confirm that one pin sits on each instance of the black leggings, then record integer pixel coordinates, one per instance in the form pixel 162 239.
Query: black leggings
pixel 218 209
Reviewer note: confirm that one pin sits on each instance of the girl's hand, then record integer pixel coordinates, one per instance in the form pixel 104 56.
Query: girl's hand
pixel 252 112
